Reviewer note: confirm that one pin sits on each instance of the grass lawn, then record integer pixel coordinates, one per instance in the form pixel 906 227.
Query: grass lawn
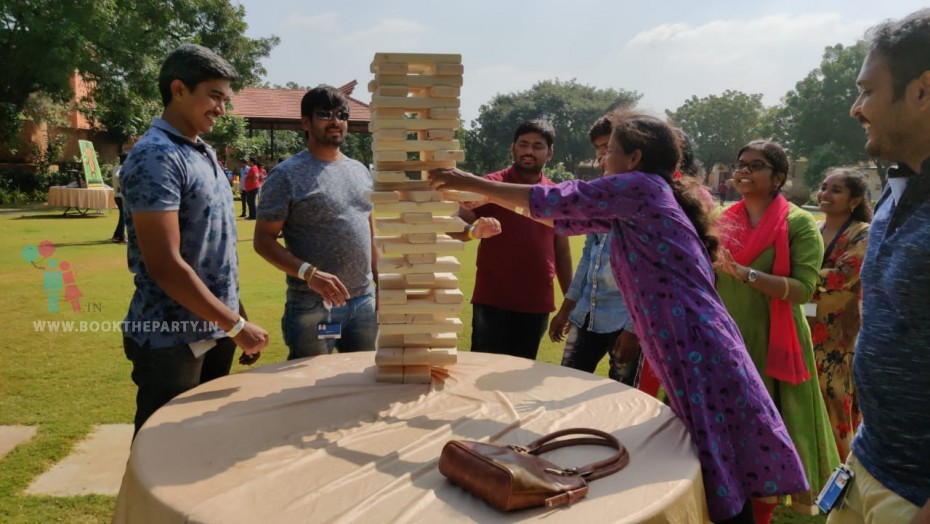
pixel 65 383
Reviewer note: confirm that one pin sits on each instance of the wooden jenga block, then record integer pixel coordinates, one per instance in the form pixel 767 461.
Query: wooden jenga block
pixel 420 238
pixel 383 197
pixel 463 196
pixel 389 176
pixel 396 226
pixel 416 218
pixel 397 246
pixel 402 266
pixel 444 92
pixel 414 81
pixel 456 155
pixel 446 69
pixel 390 374
pixel 443 113
pixel 412 124
pixel 442 356
pixel 448 325
pixel 397 91
pixel 388 297
pixel 420 195
pixel 423 340
pixel 389 156
pixel 387 113
pixel 417 375
pixel 415 145
pixel 421 306
pixel 389 135
pixel 389 68
pixel 389 356
pixel 418 280
pixel 440 134
pixel 417 58
pixel 421 258
pixel 411 165
pixel 389 318
pixel 448 296
pixel 417 208
pixel 413 102
pixel 417 357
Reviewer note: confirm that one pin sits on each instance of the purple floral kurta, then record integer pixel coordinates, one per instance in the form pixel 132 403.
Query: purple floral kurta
pixel 694 347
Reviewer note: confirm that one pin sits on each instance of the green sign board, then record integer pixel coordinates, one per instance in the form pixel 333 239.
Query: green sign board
pixel 92 173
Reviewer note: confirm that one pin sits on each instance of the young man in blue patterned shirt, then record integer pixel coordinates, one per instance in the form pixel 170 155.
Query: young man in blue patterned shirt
pixel 185 319
pixel 891 366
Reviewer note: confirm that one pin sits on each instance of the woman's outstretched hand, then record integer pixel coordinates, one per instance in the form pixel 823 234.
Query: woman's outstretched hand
pixel 442 179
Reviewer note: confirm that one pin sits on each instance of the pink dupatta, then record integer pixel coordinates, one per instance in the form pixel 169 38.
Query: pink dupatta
pixel 784 361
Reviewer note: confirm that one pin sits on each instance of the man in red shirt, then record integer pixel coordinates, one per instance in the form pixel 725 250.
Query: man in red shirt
pixel 252 183
pixel 513 285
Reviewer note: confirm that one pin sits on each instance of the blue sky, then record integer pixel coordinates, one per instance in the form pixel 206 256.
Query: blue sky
pixel 668 50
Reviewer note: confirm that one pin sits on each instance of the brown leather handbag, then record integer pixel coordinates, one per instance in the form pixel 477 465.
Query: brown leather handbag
pixel 514 477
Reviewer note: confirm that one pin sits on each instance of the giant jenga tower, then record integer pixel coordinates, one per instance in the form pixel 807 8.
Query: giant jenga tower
pixel 414 115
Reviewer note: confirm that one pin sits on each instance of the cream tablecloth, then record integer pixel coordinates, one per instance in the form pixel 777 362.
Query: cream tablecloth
pixel 318 440
pixel 81 199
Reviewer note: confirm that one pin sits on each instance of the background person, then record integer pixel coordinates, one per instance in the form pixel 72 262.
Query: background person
pixel 768 268
pixel 835 324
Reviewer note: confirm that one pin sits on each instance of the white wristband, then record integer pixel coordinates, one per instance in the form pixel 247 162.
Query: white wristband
pixel 236 329
pixel 303 270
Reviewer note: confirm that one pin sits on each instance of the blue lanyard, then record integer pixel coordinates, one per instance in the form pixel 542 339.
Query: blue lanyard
pixel 829 250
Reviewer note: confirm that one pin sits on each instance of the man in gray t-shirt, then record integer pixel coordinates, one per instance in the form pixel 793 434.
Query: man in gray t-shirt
pixel 318 198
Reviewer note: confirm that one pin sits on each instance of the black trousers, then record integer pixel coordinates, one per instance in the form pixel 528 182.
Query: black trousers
pixel 504 332
pixel 164 373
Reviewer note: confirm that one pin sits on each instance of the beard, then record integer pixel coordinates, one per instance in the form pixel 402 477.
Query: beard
pixel 326 138
pixel 534 169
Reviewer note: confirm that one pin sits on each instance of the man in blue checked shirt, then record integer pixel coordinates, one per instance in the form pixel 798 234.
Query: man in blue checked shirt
pixel 593 315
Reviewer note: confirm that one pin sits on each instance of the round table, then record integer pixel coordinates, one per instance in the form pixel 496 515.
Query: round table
pixel 319 440
pixel 81 199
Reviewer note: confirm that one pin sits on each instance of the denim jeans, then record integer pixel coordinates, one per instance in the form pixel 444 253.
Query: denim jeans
pixel 584 350
pixel 164 373
pixel 504 332
pixel 357 318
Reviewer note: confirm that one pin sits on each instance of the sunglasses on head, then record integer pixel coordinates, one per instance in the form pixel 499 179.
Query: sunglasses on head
pixel 323 114
pixel 754 166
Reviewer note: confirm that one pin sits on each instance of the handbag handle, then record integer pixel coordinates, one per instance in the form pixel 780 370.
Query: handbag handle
pixel 592 471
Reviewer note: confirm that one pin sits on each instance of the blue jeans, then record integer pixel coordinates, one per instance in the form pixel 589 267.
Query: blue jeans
pixel 358 320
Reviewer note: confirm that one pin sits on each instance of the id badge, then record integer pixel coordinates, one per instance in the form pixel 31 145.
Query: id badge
pixel 810 309
pixel 328 330
pixel 835 489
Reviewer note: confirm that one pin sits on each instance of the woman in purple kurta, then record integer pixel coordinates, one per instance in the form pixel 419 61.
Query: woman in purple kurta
pixel 666 276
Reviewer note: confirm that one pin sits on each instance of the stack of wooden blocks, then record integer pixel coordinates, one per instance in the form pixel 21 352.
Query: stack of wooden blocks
pixel 414 115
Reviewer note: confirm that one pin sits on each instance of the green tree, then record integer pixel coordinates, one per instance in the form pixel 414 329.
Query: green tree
pixel 814 118
pixel 569 106
pixel 117 48
pixel 822 159
pixel 721 125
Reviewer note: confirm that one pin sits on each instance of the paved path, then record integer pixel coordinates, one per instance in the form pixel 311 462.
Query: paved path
pixel 95 466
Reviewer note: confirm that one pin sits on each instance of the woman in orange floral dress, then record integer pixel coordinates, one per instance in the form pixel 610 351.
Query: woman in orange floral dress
pixel 837 297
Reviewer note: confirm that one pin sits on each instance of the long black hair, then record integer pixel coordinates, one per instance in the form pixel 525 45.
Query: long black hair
pixel 857 185
pixel 660 148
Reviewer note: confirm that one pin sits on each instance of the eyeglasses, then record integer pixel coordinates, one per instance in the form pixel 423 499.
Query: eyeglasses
pixel 754 166
pixel 328 115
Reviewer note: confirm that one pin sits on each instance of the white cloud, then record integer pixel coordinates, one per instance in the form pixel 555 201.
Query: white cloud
pixel 765 55
pixel 316 22
pixel 392 33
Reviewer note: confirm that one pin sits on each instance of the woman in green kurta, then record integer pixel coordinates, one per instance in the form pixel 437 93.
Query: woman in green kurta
pixel 766 274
